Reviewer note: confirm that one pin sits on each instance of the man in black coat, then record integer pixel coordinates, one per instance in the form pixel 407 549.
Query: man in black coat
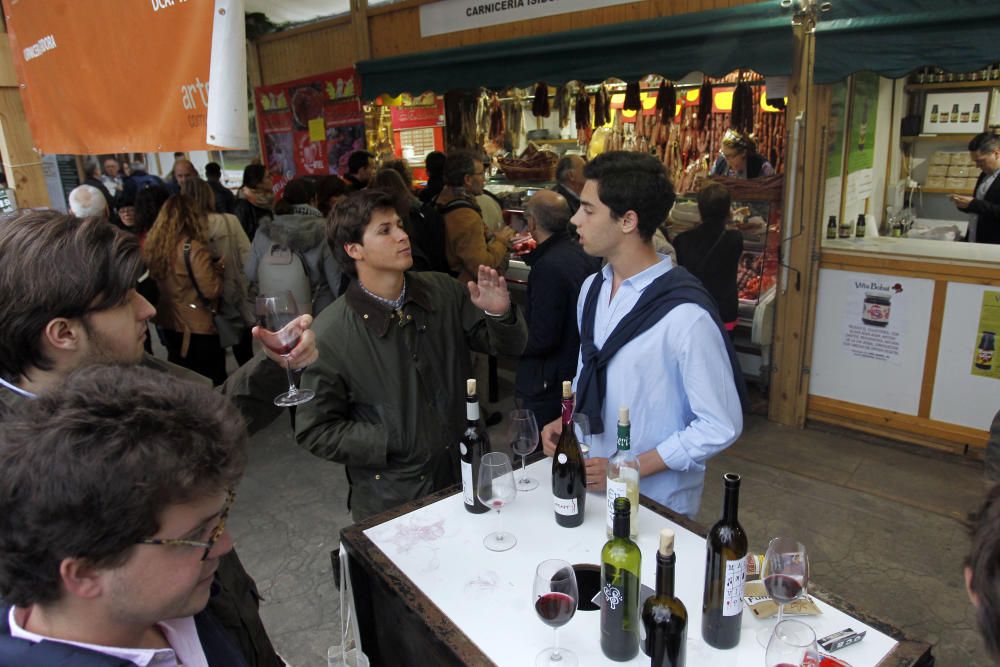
pixel 558 268
pixel 985 151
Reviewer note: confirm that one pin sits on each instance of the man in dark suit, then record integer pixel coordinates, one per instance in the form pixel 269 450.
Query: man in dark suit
pixel 570 180
pixel 985 151
pixel 558 268
pixel 225 200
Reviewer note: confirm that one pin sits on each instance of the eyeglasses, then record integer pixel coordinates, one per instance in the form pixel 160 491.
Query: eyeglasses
pixel 212 539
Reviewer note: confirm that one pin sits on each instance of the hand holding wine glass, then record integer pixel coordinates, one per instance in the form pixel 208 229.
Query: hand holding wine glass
pixel 280 333
pixel 555 597
pixel 785 574
pixel 524 440
pixel 496 488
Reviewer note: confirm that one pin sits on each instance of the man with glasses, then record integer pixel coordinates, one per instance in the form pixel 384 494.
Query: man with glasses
pixel 985 202
pixel 114 493
pixel 68 300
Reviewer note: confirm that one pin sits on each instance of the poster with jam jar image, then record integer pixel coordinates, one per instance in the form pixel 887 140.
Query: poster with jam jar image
pixel 984 356
pixel 873 331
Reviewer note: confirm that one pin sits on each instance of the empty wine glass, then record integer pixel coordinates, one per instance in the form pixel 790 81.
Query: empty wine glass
pixel 496 488
pixel 793 644
pixel 524 440
pixel 555 598
pixel 280 333
pixel 581 423
pixel 785 574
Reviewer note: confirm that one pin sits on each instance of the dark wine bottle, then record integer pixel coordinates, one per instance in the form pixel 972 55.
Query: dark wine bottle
pixel 663 615
pixel 621 563
pixel 831 227
pixel 725 573
pixel 569 479
pixel 859 227
pixel 475 442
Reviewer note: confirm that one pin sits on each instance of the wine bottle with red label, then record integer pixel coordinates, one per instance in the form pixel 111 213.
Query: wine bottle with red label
pixel 569 479
pixel 474 444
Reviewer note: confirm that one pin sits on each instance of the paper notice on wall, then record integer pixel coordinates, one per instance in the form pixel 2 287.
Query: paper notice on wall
pixel 984 361
pixel 875 318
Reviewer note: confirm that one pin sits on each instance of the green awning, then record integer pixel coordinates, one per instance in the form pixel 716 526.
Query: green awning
pixel 893 38
pixel 756 36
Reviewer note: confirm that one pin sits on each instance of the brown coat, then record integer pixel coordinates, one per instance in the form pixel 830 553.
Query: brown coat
pixel 179 308
pixel 468 243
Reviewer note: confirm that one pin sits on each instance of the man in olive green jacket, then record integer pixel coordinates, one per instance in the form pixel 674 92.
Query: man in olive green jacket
pixel 394 357
pixel 68 299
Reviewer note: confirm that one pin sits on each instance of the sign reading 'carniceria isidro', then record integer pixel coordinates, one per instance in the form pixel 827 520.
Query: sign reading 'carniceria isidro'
pixel 439 18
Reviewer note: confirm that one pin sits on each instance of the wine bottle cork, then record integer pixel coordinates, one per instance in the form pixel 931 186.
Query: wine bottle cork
pixel 666 542
pixel 567 389
pixel 623 416
pixel 470 387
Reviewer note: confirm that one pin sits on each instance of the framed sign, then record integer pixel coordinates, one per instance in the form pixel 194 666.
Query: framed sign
pixel 955 113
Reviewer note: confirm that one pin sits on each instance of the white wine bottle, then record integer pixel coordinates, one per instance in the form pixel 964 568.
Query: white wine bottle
pixel 623 476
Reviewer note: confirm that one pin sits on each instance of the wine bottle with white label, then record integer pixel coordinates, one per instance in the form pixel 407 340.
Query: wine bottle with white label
pixel 621 567
pixel 569 479
pixel 623 476
pixel 725 573
pixel 475 442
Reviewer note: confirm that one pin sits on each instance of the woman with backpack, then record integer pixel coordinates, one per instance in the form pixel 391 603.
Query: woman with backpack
pixel 254 199
pixel 712 253
pixel 228 242
pixel 190 283
pixel 290 251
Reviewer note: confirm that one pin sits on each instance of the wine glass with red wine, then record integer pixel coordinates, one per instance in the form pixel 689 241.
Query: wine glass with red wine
pixel 785 574
pixel 496 488
pixel 523 440
pixel 555 596
pixel 793 644
pixel 280 333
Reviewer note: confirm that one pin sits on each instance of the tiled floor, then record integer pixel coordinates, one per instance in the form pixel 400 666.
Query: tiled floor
pixel 883 523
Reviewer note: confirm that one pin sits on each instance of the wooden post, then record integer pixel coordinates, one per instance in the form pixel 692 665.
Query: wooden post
pixel 22 163
pixel 362 35
pixel 795 306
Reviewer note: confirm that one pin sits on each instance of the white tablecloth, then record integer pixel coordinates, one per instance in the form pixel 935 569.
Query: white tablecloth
pixel 488 595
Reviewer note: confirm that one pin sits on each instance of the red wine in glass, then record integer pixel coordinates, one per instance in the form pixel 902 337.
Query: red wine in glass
pixel 555 609
pixel 783 588
pixel 277 314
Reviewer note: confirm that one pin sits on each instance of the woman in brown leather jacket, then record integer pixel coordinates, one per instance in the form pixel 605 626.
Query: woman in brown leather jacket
pixel 179 257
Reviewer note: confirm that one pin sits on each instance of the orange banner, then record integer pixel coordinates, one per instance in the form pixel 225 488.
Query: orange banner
pixel 109 76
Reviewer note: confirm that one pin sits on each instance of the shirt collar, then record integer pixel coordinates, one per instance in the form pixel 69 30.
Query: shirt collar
pixel 641 280
pixel 177 631
pixel 376 316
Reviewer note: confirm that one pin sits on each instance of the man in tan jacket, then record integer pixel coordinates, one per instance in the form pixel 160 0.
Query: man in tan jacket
pixel 468 243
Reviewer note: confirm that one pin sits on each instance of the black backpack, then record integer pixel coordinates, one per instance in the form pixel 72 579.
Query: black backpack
pixel 428 235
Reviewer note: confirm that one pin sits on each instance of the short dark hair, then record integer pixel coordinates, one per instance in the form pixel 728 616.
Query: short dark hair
pixel 434 163
pixel 565 165
pixel 56 265
pixel 629 181
pixel 984 563
pixel 327 187
pixel 358 161
pixel 297 191
pixel 458 165
pixel 552 216
pixel 148 203
pixel 348 220
pixel 87 470
pixel 984 142
pixel 213 169
pixel 714 203
pixel 253 174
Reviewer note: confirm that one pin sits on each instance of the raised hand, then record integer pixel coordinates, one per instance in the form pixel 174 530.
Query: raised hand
pixel 490 292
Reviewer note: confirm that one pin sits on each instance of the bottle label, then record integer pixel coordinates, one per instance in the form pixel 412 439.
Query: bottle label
pixel 468 490
pixel 562 458
pixel 462 448
pixel 564 506
pixel 736 575
pixel 616 489
pixel 472 411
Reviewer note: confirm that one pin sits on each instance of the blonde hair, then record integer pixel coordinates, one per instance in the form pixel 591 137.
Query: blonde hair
pixel 201 193
pixel 178 219
pixel 738 141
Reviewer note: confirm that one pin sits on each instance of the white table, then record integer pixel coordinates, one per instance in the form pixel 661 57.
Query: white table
pixel 435 553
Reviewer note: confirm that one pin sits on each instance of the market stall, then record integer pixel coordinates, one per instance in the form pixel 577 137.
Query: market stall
pixel 905 309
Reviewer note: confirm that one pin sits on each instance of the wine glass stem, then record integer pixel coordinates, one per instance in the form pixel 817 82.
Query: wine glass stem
pixel 556 656
pixel 523 465
pixel 291 381
pixel 781 612
pixel 499 526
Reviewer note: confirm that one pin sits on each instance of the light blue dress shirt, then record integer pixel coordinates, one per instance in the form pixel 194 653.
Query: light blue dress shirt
pixel 677 382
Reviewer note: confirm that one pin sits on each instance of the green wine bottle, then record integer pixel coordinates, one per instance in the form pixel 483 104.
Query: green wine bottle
pixel 621 562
